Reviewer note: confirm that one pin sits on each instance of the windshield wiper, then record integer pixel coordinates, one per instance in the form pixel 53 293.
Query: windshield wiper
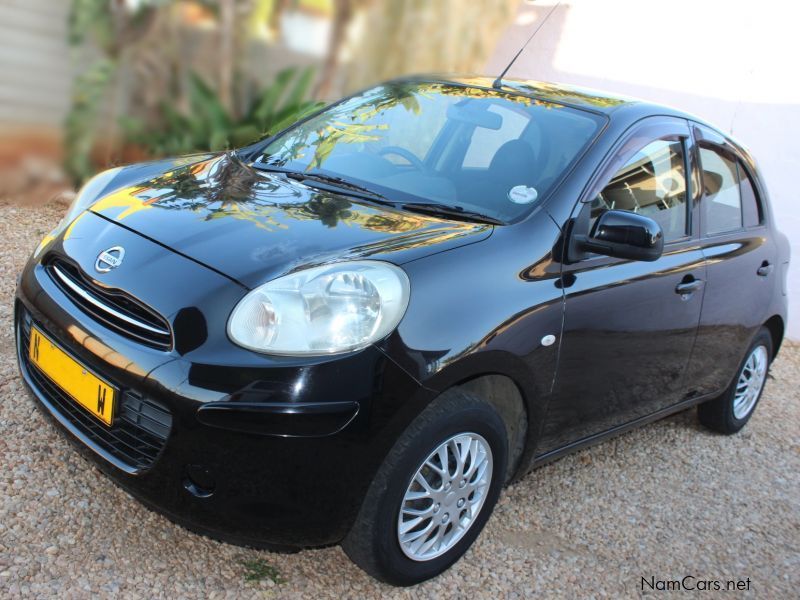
pixel 340 184
pixel 443 210
pixel 332 183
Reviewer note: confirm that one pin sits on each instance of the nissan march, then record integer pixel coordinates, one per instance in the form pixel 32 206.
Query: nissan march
pixel 358 330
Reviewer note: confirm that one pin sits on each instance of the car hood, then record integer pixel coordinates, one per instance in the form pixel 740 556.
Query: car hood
pixel 253 225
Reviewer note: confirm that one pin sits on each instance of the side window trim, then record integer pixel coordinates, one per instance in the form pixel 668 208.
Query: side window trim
pixel 687 145
pixel 642 133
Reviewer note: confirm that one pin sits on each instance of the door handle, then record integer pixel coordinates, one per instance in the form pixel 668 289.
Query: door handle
pixel 764 270
pixel 684 288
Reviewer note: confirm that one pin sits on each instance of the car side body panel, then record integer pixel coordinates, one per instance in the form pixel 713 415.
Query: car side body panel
pixel 468 325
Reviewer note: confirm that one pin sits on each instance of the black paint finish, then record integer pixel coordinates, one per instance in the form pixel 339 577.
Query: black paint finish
pixel 269 449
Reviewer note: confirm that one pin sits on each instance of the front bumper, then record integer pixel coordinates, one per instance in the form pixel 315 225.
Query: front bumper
pixel 280 454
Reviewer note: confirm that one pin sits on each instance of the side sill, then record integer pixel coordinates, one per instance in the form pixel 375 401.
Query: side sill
pixel 591 440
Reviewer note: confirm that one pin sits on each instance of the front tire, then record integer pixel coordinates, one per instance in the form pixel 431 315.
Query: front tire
pixel 730 412
pixel 434 492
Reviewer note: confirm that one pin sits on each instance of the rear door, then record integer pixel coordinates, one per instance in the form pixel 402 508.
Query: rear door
pixel 629 326
pixel 742 261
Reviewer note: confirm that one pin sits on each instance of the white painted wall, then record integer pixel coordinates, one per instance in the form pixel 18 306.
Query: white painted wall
pixel 730 62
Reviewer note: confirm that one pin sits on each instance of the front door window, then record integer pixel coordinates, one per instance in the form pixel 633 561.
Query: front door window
pixel 652 183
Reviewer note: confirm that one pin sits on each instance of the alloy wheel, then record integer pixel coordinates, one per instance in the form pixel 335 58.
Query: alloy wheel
pixel 444 496
pixel 751 381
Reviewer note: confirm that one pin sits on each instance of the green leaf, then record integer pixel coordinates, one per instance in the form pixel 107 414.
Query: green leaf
pixel 218 140
pixel 206 125
pixel 301 87
pixel 244 134
pixel 206 105
pixel 175 120
pixel 260 570
pixel 87 16
pixel 132 127
pixel 264 106
pixel 287 118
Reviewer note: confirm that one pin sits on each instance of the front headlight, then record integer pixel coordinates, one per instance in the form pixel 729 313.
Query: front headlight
pixel 330 309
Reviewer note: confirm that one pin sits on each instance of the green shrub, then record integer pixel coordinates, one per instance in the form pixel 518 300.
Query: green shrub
pixel 207 125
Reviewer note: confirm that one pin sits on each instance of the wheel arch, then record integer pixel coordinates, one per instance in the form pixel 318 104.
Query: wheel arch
pixel 508 382
pixel 502 392
pixel 776 329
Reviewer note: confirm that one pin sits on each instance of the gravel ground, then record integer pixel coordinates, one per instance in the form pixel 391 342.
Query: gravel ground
pixel 667 500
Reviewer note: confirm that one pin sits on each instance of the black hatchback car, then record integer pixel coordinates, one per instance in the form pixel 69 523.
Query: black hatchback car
pixel 358 330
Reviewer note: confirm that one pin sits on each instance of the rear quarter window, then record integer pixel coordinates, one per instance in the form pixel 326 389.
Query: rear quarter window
pixel 752 213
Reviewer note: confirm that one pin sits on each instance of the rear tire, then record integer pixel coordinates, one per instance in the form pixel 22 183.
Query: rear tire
pixel 730 412
pixel 453 506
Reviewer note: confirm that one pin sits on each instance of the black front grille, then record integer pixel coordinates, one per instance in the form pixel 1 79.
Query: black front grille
pixel 140 428
pixel 114 308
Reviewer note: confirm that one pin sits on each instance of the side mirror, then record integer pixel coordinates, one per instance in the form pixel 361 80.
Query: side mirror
pixel 624 234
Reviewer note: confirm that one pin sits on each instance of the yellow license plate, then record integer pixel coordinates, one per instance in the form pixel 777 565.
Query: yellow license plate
pixel 85 388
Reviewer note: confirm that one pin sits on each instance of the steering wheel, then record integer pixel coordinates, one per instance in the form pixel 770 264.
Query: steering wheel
pixel 402 152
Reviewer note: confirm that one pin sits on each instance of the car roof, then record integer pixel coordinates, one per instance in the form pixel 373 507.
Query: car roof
pixel 621 110
pixel 616 106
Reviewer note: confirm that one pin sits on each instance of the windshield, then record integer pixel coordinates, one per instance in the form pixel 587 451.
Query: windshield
pixel 480 150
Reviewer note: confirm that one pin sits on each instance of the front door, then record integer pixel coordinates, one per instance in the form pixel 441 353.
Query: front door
pixel 629 326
